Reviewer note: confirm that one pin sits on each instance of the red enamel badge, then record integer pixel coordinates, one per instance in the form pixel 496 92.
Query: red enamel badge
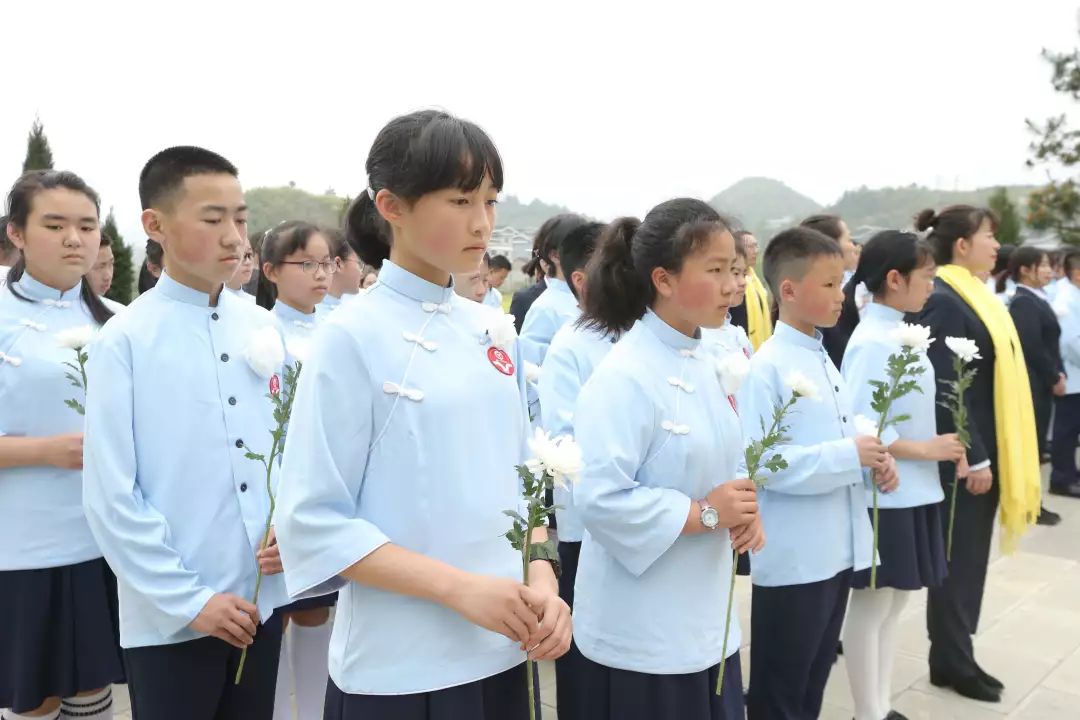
pixel 746 353
pixel 500 360
pixel 275 385
pixel 734 405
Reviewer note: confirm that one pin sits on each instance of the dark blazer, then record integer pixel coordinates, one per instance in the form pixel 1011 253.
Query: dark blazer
pixel 1040 337
pixel 948 315
pixel 738 316
pixel 523 300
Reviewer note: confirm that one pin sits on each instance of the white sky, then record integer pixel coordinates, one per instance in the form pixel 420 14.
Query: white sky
pixel 593 105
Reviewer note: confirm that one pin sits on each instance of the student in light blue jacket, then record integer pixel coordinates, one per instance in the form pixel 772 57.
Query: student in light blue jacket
pixel 60 649
pixel 898 270
pixel 660 496
pixel 348 275
pixel 297 272
pixel 574 353
pixel 814 511
pixel 393 485
pixel 177 396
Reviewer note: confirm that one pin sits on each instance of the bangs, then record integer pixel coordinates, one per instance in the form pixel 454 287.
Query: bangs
pixel 453 153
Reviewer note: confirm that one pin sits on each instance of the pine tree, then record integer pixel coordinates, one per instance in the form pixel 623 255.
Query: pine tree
pixel 1056 205
pixel 1009 223
pixel 124 265
pixel 38 154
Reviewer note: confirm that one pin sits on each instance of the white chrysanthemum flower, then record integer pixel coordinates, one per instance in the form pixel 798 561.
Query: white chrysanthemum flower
pixel 913 336
pixel 964 348
pixel 502 332
pixel 76 338
pixel 265 352
pixel 802 386
pixel 733 369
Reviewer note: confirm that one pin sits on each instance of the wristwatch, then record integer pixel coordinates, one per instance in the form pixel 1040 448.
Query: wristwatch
pixel 709 517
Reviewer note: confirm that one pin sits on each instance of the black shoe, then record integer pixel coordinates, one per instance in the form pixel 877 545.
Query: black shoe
pixel 1072 490
pixel 1048 518
pixel 893 715
pixel 989 679
pixel 970 687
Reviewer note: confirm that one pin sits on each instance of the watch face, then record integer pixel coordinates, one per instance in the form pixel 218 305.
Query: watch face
pixel 710 518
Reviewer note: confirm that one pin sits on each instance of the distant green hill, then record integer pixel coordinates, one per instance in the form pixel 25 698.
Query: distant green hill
pixel 763 205
pixel 897 207
pixel 268 206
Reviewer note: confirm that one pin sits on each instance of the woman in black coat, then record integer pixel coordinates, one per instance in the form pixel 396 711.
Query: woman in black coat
pixel 963 236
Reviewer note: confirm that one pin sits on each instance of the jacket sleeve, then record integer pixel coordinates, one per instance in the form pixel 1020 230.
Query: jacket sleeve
pixel 1040 360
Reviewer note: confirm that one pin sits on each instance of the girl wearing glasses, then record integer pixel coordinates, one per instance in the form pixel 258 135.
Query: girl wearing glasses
pixel 350 272
pixel 296 273
pixel 243 273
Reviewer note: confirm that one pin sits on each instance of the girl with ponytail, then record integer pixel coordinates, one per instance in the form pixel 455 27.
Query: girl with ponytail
pixel 58 607
pixel 386 486
pixel 659 494
pixel 1003 453
pixel 898 270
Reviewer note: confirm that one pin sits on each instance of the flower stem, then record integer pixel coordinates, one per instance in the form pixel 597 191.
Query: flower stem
pixel 727 622
pixel 526 558
pixel 262 546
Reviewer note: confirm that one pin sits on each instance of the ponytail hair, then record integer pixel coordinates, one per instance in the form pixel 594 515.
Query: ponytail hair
pixel 950 225
pixel 413 155
pixel 620 286
pixel 19 205
pixel 886 251
pixel 1024 256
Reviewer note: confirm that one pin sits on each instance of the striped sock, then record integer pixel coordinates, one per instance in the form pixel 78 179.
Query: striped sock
pixel 9 715
pixel 91 707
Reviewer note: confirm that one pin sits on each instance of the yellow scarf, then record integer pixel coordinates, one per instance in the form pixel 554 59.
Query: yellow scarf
pixel 1017 470
pixel 758 316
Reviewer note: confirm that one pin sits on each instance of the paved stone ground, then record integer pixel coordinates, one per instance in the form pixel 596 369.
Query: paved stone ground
pixel 1030 638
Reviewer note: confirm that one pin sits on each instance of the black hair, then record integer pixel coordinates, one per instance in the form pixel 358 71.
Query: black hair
pixel 486 260
pixel 106 241
pixel 6 246
pixel 277 244
pixel 830 225
pixel 1000 273
pixel 164 174
pixel 501 262
pixel 576 249
pixel 620 272
pixel 548 238
pixel 789 254
pixel 154 254
pixel 20 201
pixel 1025 256
pixel 952 224
pixel 740 243
pixel 335 239
pixel 886 251
pixel 741 235
pixel 413 155
pixel 1071 261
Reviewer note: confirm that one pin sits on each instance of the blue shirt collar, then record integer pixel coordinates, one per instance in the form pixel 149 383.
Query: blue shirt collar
pixel 181 293
pixel 669 335
pixel 329 302
pixel 558 285
pixel 37 291
pixel 882 313
pixel 788 334
pixel 291 314
pixel 413 286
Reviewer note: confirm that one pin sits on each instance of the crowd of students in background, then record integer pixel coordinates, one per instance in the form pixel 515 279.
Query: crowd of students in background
pixel 134 535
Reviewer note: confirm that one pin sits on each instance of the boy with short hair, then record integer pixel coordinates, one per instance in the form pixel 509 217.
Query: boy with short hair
pixel 814 510
pixel 176 398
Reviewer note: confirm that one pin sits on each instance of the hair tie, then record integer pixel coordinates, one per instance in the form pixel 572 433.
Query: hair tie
pixel 371 194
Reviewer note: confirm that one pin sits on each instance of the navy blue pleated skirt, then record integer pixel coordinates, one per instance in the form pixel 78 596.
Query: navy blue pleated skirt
pixel 500 697
pixel 59 633
pixel 626 695
pixel 911 546
pixel 320 601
